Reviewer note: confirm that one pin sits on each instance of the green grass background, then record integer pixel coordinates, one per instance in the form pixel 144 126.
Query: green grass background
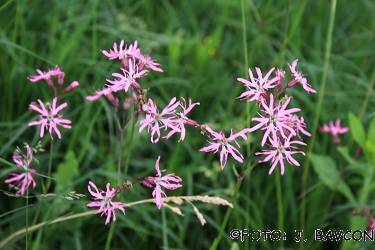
pixel 201 49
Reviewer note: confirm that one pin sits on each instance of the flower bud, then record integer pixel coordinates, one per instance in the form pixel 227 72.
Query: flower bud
pixel 72 86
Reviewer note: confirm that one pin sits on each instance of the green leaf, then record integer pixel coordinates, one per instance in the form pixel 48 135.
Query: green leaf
pixel 355 165
pixel 369 150
pixel 66 171
pixel 326 169
pixel 371 130
pixel 357 129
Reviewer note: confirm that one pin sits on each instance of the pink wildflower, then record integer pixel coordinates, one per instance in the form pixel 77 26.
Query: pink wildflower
pixel 281 152
pixel 298 124
pixel 298 78
pixel 128 79
pixel 49 117
pixel 219 141
pixel 57 72
pixel 72 86
pixel 145 60
pixel 105 203
pixel 274 119
pixel 257 87
pixel 156 121
pixel 181 119
pixel 26 178
pixel 122 54
pixel 335 130
pixel 98 93
pixel 159 182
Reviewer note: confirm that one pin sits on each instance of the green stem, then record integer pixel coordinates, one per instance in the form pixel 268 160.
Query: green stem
pixel 110 235
pixel 49 166
pixel 165 228
pixel 285 42
pixel 127 159
pixel 280 211
pixel 240 177
pixel 316 119
pixel 119 157
pixel 27 212
pixel 217 240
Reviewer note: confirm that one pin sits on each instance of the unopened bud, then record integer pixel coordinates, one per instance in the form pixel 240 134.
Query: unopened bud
pixel 60 79
pixel 126 104
pixel 72 86
pixel 111 98
pixel 148 181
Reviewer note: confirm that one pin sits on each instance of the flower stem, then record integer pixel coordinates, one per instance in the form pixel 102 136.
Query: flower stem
pixel 27 213
pixel 49 166
pixel 127 159
pixel 165 228
pixel 240 177
pixel 217 240
pixel 119 157
pixel 317 115
pixel 280 221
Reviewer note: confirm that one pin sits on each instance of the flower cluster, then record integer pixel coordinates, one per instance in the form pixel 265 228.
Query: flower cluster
pixel 278 123
pixel 49 113
pixel 132 69
pixel 26 178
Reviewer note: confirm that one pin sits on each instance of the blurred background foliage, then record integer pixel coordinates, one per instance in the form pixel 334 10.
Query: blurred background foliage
pixel 200 47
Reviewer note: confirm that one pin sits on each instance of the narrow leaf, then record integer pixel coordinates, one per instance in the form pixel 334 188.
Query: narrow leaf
pixel 326 169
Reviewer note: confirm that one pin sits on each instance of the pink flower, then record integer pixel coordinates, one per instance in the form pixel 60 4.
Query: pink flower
pixel 57 72
pixel 105 203
pixel 49 117
pixel 298 124
pixel 98 93
pixel 298 78
pixel 274 120
pixel 145 60
pixel 180 119
pixel 335 130
pixel 281 152
pixel 219 141
pixel 128 79
pixel 257 87
pixel 122 54
pixel 156 121
pixel 72 86
pixel 159 182
pixel 26 178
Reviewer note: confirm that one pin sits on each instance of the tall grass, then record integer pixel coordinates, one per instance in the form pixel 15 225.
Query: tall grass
pixel 201 46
